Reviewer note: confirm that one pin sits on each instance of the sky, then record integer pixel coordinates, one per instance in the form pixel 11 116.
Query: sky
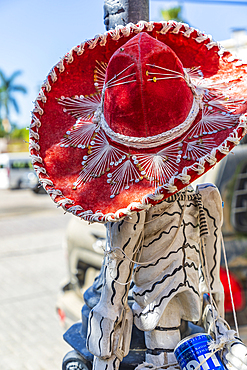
pixel 35 34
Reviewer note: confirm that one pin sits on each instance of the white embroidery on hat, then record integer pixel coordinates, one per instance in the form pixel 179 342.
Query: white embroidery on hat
pixel 166 75
pixel 158 167
pixel 167 26
pixel 203 37
pixel 211 122
pixel 81 48
pixel 92 43
pixel 177 28
pixel 99 75
pixel 33 134
pixel 60 66
pixel 225 103
pixel 46 85
pixel 79 136
pixel 115 80
pixel 194 73
pixel 81 106
pixel 37 108
pixel 34 145
pixel 35 122
pixel 198 148
pixel 209 88
pixel 53 75
pixel 115 34
pixel 123 177
pixel 42 96
pixel 101 157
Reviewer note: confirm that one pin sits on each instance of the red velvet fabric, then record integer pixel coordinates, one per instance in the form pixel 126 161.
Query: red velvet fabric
pixel 142 107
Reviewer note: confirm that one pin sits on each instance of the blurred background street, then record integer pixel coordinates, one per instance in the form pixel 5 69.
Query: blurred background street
pixel 32 266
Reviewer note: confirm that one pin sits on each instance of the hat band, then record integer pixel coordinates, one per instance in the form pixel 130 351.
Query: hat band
pixel 153 141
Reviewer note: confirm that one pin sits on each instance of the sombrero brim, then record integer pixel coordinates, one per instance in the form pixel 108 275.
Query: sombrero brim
pixel 58 166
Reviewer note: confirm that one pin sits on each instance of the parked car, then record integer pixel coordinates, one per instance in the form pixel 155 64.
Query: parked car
pixel 34 184
pixel 84 243
pixel 230 176
pixel 15 170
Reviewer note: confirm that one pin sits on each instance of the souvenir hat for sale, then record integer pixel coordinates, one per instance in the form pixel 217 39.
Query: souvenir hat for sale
pixel 132 116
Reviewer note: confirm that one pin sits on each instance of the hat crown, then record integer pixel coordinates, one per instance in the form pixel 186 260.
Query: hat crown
pixel 145 90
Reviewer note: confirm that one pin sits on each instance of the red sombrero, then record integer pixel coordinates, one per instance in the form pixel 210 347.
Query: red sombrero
pixel 125 120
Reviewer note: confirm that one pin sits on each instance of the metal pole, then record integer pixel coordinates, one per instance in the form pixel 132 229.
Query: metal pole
pixel 121 12
pixel 138 10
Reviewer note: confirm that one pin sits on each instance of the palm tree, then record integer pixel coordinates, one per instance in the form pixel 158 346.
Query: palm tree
pixel 174 13
pixel 8 88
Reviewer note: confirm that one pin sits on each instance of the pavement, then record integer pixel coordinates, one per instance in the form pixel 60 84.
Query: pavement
pixel 32 266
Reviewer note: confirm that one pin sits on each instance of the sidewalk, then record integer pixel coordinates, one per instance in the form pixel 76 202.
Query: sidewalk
pixel 32 266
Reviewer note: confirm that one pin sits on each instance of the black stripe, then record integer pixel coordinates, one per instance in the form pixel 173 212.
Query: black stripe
pixel 184 254
pixel 193 288
pixel 160 328
pixel 161 300
pixel 176 212
pixel 166 213
pixel 167 256
pixel 138 220
pixel 215 246
pixel 191 224
pixel 217 325
pixel 158 351
pixel 90 328
pixel 125 245
pixel 120 223
pixel 240 342
pixel 100 339
pixel 160 235
pixel 114 363
pixel 126 287
pixel 113 282
pixel 111 333
pixel 181 267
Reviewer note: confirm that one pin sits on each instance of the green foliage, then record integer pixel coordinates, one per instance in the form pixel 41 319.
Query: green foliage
pixel 16 134
pixel 8 102
pixel 19 134
pixel 172 14
pixel 2 131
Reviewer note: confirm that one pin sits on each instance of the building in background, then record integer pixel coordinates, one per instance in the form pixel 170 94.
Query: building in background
pixel 237 44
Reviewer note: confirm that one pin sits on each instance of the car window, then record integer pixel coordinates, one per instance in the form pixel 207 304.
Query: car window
pixel 18 164
pixel 239 201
